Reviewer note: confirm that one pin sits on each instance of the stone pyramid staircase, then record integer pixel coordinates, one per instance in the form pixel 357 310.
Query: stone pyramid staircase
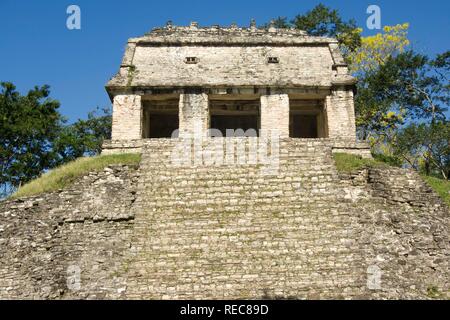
pixel 168 229
pixel 233 231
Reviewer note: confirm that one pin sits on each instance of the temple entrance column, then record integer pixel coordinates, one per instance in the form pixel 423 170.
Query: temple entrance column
pixel 127 117
pixel 194 114
pixel 340 114
pixel 275 114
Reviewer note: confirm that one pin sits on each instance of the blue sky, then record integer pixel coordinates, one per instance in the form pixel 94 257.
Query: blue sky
pixel 36 48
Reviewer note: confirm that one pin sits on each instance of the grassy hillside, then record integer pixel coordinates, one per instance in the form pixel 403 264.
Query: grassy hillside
pixel 348 162
pixel 64 175
pixel 442 187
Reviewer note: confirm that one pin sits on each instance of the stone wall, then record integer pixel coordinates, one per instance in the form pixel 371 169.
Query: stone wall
pixel 189 230
pixel 70 243
pixel 220 65
pixel 404 232
pixel 127 117
pixel 230 57
pixel 352 147
pixel 122 146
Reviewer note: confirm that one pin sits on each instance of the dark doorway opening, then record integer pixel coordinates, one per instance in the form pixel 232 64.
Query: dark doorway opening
pixel 235 115
pixel 304 126
pixel 234 122
pixel 160 118
pixel 307 119
pixel 162 125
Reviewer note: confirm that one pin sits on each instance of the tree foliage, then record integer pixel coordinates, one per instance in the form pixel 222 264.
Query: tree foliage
pixel 324 21
pixel 34 136
pixel 396 85
pixel 84 137
pixel 402 96
pixel 415 85
pixel 28 126
pixel 376 113
pixel 375 50
pixel 413 91
pixel 407 88
pixel 425 147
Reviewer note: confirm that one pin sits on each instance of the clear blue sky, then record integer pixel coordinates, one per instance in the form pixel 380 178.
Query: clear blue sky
pixel 36 48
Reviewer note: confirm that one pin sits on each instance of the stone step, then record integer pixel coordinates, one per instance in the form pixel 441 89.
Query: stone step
pixel 202 220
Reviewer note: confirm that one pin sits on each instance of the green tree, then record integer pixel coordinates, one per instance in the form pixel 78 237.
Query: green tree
pixel 34 136
pixel 425 147
pixel 415 87
pixel 84 137
pixel 324 21
pixel 28 126
pixel 377 116
pixel 376 49
pixel 407 87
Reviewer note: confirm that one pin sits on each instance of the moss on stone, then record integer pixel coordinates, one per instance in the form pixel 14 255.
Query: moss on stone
pixel 131 73
pixel 434 293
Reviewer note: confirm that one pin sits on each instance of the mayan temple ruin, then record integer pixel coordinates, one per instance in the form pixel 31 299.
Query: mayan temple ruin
pixel 181 78
pixel 237 194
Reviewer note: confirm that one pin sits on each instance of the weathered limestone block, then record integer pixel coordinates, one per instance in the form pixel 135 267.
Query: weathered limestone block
pixel 352 147
pixel 127 59
pixel 194 114
pixel 341 114
pixel 122 146
pixel 127 116
pixel 275 114
pixel 224 65
pixel 71 243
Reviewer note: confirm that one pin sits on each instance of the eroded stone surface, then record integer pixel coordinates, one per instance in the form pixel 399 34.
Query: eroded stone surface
pixel 86 229
pixel 198 232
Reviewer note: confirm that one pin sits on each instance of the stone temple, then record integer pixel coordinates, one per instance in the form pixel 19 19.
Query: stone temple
pixel 232 78
pixel 289 226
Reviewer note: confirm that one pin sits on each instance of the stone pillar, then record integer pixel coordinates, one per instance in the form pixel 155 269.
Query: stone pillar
pixel 194 114
pixel 127 117
pixel 275 113
pixel 340 114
